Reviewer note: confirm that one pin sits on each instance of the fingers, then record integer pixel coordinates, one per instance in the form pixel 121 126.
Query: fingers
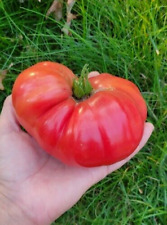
pixel 8 121
pixel 146 135
pixel 99 173
pixel 93 74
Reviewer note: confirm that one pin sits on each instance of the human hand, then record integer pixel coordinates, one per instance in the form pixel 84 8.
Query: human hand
pixel 35 185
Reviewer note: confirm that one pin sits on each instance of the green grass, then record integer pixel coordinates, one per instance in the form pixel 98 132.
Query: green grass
pixel 125 38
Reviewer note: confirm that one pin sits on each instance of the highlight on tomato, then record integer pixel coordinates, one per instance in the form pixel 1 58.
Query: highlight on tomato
pixel 80 121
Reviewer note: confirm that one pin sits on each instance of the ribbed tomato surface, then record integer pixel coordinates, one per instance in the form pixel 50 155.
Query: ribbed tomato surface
pixel 99 130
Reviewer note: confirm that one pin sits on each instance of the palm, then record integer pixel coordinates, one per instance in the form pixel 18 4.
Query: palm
pixel 37 181
pixel 40 181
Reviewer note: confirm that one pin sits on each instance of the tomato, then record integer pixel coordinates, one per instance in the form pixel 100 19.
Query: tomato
pixel 100 129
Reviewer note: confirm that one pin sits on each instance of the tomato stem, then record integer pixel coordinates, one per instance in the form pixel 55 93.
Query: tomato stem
pixel 81 86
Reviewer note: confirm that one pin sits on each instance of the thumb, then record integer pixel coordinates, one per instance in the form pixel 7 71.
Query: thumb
pixel 8 121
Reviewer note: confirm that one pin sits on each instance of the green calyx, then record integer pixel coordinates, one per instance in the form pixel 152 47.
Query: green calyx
pixel 81 86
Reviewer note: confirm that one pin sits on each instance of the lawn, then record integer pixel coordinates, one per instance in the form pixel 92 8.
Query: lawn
pixel 123 37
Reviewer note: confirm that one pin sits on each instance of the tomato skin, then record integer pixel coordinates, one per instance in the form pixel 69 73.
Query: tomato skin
pixel 100 130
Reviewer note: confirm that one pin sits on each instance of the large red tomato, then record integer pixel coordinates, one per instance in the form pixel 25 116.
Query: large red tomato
pixel 98 130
